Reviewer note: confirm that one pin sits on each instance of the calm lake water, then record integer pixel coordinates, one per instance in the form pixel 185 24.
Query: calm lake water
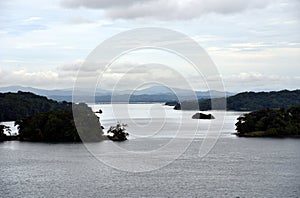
pixel 233 167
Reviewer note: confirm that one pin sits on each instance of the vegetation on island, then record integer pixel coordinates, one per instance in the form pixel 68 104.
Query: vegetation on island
pixel 3 128
pixel 270 123
pixel 246 101
pixel 118 132
pixel 16 106
pixel 203 116
pixel 59 126
pixel 42 120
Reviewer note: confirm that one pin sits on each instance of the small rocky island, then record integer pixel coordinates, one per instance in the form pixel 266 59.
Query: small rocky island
pixel 203 116
pixel 270 123
pixel 171 103
pixel 117 133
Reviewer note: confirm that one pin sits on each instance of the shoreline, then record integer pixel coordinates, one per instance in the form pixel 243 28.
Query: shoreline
pixel 261 134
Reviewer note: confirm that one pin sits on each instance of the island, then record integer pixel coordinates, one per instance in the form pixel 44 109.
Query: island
pixel 171 103
pixel 203 116
pixel 40 119
pixel 270 123
pixel 59 126
pixel 118 132
pixel 245 101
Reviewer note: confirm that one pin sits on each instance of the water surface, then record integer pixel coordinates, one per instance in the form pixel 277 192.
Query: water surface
pixel 235 167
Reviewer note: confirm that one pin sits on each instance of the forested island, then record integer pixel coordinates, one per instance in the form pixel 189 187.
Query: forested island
pixel 40 119
pixel 246 101
pixel 270 123
pixel 59 126
pixel 15 106
pixel 275 114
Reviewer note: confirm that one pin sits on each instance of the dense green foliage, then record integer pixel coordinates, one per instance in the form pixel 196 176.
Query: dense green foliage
pixel 250 101
pixel 270 122
pixel 59 126
pixel 118 132
pixel 16 106
pixel 247 101
pixel 2 134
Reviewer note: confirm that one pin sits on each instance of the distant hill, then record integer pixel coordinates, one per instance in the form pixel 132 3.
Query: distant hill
pixel 43 92
pixel 149 94
pixel 55 94
pixel 248 101
pixel 16 106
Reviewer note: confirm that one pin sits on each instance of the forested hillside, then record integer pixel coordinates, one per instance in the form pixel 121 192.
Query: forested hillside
pixel 15 106
pixel 270 123
pixel 59 126
pixel 248 101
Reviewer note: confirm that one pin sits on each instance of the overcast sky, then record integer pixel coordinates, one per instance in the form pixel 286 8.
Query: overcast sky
pixel 254 44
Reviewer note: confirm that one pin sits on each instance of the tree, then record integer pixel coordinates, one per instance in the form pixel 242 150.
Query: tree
pixel 118 132
pixel 4 128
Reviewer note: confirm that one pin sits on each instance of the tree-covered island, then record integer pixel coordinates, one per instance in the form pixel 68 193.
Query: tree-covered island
pixel 270 123
pixel 59 126
pixel 118 132
pixel 16 106
pixel 246 101
pixel 42 120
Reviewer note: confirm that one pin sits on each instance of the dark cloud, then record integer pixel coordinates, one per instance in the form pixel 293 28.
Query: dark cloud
pixel 165 9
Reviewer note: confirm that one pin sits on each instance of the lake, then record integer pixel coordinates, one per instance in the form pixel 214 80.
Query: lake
pixel 168 154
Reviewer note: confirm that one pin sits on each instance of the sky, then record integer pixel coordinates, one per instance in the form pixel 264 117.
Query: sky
pixel 255 45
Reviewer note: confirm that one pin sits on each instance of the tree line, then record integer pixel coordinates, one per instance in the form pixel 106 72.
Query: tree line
pixel 246 101
pixel 270 123
pixel 41 119
pixel 15 106
pixel 60 126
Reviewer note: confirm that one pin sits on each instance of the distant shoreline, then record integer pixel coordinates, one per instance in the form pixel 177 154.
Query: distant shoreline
pixel 261 134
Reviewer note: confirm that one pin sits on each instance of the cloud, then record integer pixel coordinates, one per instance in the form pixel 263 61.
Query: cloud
pixel 244 81
pixel 71 66
pixel 29 45
pixel 258 81
pixel 98 4
pixel 80 20
pixel 41 79
pixel 248 81
pixel 31 20
pixel 165 9
pixel 123 75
